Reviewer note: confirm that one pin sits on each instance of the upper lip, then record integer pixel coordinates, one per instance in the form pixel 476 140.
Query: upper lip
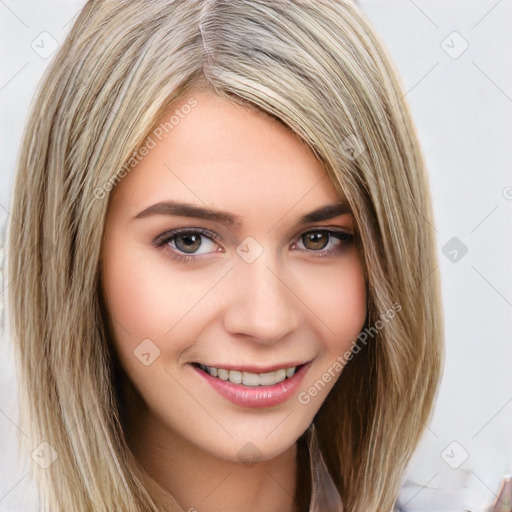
pixel 254 368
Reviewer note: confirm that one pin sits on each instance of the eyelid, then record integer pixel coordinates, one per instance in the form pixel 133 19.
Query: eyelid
pixel 164 237
pixel 338 229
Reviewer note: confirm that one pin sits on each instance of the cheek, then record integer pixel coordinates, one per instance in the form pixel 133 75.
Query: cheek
pixel 341 304
pixel 340 311
pixel 145 299
pixel 134 300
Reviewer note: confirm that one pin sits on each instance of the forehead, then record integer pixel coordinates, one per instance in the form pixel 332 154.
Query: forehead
pixel 225 156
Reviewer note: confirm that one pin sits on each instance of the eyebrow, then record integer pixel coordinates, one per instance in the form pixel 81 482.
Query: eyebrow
pixel 325 212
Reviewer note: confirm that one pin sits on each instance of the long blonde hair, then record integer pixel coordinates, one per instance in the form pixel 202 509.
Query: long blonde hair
pixel 319 68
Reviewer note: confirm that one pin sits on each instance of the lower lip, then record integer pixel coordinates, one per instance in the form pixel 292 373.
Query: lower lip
pixel 257 396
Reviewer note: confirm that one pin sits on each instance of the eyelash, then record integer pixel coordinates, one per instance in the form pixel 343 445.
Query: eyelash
pixel 163 240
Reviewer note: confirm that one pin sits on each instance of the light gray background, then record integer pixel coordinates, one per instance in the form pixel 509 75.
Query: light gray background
pixel 461 102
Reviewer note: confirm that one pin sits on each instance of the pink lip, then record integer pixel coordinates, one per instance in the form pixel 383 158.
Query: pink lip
pixel 258 396
pixel 254 368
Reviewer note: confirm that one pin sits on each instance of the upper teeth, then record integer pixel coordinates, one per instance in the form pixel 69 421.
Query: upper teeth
pixel 248 378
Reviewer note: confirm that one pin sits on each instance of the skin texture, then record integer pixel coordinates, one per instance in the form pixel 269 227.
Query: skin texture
pixel 286 305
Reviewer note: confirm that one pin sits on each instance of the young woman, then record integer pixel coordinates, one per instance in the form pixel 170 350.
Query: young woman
pixel 224 292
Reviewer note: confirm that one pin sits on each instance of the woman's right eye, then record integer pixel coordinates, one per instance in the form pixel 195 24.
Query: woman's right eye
pixel 183 244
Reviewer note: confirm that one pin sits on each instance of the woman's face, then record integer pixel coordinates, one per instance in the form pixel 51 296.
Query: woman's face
pixel 210 311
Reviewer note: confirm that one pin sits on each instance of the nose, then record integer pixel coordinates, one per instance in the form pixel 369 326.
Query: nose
pixel 262 305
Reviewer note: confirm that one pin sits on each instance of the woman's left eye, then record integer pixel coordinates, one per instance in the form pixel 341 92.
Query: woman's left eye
pixel 319 239
pixel 184 244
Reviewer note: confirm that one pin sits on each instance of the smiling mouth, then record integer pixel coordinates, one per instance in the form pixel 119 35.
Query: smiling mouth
pixel 249 379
